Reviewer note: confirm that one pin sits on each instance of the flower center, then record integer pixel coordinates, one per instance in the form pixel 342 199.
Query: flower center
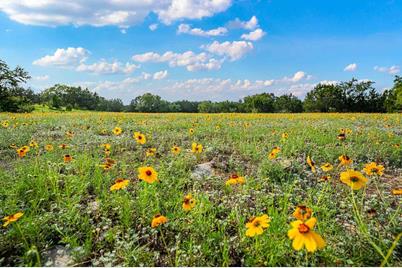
pixel 303 228
pixel 148 172
pixel 256 223
pixel 354 179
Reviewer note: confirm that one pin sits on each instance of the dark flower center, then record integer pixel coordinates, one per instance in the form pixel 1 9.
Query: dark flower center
pixel 354 179
pixel 303 228
pixel 148 172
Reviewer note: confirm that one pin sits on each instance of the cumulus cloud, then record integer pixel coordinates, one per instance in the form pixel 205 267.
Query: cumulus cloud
pixel 247 25
pixel 391 70
pixel 234 50
pixel 160 75
pixel 351 67
pixel 104 67
pixel 186 29
pixel 192 9
pixel 296 77
pixel 254 35
pixel 153 26
pixel 75 58
pixel 64 57
pixel 121 13
pixel 192 61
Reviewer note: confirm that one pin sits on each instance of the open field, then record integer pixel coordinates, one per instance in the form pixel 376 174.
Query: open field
pixel 74 204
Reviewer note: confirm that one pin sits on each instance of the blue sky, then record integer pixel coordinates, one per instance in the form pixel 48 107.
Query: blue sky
pixel 202 49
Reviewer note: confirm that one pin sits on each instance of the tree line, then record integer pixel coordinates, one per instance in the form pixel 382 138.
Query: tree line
pixel 349 96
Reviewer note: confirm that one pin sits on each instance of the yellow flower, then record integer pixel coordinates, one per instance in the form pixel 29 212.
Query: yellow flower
pixel 373 168
pixel 67 158
pixel 106 146
pixel 397 191
pixel 302 213
pixel 327 167
pixel 119 184
pixel 191 131
pixel 63 146
pixel 70 134
pixel 12 218
pixel 140 138
pixel 354 179
pixel 158 220
pixel 345 160
pixel 256 225
pixel 23 151
pixel 49 147
pixel 188 202
pixel 13 146
pixel 117 131
pixel 311 164
pixel 196 148
pixel 33 144
pixel 235 179
pixel 285 135
pixel 147 174
pixel 341 136
pixel 302 234
pixel 151 152
pixel 274 152
pixel 5 124
pixel 325 178
pixel 176 150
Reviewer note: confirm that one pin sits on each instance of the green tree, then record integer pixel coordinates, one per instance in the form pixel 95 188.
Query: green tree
pixel 325 98
pixel 14 98
pixel 288 104
pixel 393 97
pixel 260 103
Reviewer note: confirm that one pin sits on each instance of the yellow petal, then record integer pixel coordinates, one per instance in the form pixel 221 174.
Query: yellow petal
pixel 292 233
pixel 318 239
pixel 310 243
pixel 250 232
pixel 311 222
pixel 298 242
pixel 295 224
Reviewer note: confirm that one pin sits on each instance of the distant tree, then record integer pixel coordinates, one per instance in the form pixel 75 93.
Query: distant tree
pixel 393 97
pixel 288 104
pixel 149 103
pixel 260 103
pixel 187 106
pixel 14 98
pixel 325 98
pixel 77 97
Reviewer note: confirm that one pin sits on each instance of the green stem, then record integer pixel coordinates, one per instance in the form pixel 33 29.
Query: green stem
pixel 391 249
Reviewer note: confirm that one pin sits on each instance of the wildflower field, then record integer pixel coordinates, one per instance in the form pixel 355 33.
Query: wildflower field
pixel 201 190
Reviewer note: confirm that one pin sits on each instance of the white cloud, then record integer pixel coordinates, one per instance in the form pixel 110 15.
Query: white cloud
pixel 254 35
pixel 391 70
pixel 64 57
pixel 75 58
pixel 296 77
pixel 351 67
pixel 153 26
pixel 248 25
pixel 188 59
pixel 41 78
pixel 185 28
pixel 104 67
pixel 212 64
pixel 121 13
pixel 160 75
pixel 234 50
pixel 192 9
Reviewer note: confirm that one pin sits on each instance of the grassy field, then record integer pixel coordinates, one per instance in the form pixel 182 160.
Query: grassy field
pixel 93 202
